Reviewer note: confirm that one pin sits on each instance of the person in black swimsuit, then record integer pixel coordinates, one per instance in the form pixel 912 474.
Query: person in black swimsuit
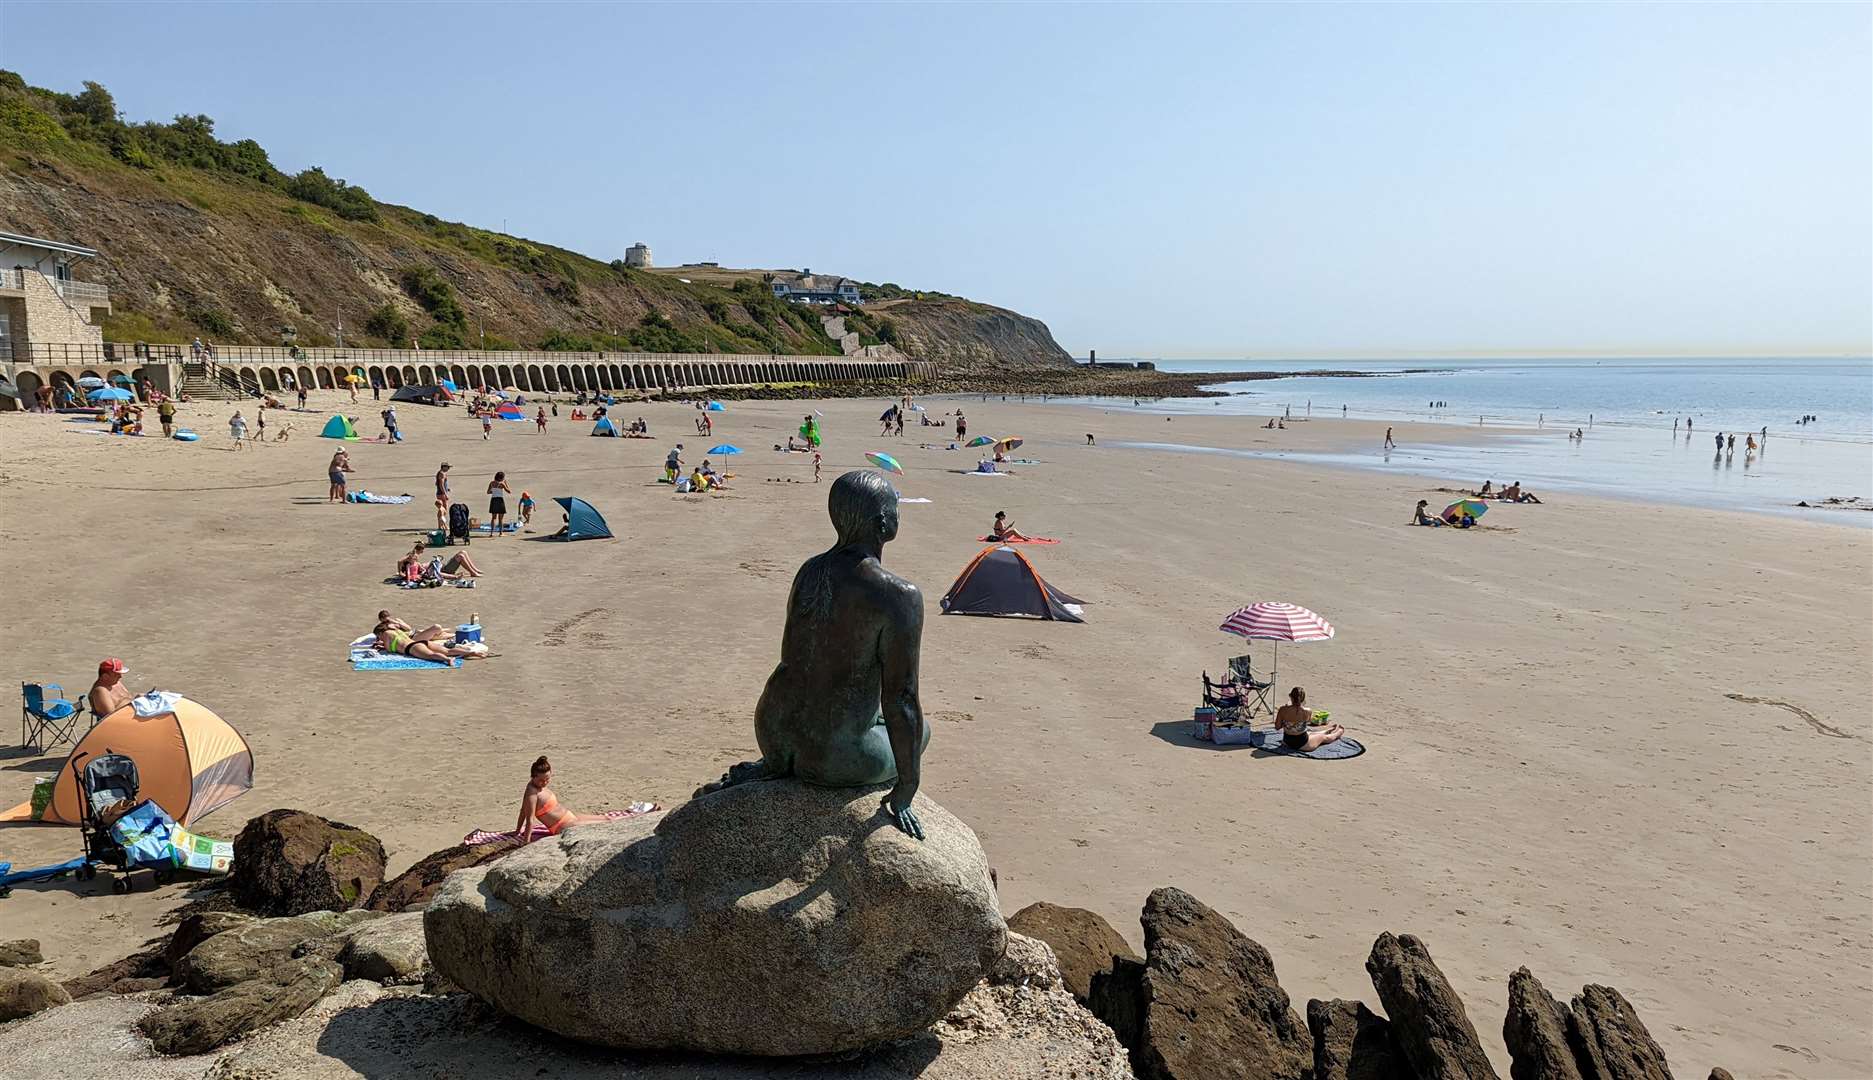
pixel 1292 720
pixel 497 502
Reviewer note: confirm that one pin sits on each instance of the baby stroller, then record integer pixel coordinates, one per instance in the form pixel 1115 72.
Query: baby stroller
pixel 458 523
pixel 105 783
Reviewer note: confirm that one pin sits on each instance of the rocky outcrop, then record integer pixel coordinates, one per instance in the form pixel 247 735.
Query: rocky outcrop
pixel 289 862
pixel 1083 941
pixel 1204 1002
pixel 275 994
pixel 1353 1043
pixel 1536 1032
pixel 388 950
pixel 1609 1041
pixel 21 953
pixel 1428 1019
pixel 250 950
pixel 1027 962
pixel 964 336
pixel 413 889
pixel 771 918
pixel 199 927
pixel 146 969
pixel 23 993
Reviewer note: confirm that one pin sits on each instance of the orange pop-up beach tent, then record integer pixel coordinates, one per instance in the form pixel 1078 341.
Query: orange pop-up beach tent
pixel 189 762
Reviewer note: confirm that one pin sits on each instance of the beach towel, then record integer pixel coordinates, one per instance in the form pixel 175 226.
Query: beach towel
pixel 1024 540
pixel 367 497
pixel 488 527
pixel 979 472
pixel 37 873
pixel 483 836
pixel 902 499
pixel 1345 747
pixel 155 703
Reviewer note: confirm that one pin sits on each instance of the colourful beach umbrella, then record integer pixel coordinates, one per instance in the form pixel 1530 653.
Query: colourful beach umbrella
pixel 725 449
pixel 1461 507
pixel 510 412
pixel 980 440
pixel 110 394
pixel 1009 443
pixel 354 378
pixel 884 461
pixel 123 380
pixel 1276 621
pixel 90 381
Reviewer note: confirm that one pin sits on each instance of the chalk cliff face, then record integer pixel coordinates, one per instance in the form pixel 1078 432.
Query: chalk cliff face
pixel 966 337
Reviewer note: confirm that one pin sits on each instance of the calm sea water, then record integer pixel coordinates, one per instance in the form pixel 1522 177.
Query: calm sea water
pixel 1626 409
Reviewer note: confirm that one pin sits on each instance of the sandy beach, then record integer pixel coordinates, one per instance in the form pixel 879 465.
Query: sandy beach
pixel 1560 772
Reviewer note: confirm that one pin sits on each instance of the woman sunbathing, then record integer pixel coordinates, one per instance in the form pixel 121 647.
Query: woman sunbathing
pixel 1292 720
pixel 1003 530
pixel 537 802
pixel 1419 517
pixel 458 566
pixel 405 643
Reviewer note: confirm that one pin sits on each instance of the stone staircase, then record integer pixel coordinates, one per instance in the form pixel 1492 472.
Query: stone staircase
pixel 200 384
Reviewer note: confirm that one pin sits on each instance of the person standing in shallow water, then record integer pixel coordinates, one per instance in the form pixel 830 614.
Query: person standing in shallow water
pixel 841 709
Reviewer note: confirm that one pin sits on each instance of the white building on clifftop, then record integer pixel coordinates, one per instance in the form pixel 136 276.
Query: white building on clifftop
pixel 637 256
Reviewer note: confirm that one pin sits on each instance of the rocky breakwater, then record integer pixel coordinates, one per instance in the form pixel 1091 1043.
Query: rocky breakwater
pixel 772 918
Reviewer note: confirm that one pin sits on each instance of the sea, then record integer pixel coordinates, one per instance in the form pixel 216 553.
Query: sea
pixel 1648 426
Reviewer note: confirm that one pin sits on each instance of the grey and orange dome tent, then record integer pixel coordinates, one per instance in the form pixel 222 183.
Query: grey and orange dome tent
pixel 1001 581
pixel 189 761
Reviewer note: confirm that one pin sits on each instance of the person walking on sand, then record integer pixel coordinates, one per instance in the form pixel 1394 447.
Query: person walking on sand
pixel 442 496
pixel 539 418
pixel 166 412
pixel 487 425
pixel 497 503
pixel 260 424
pixel 962 426
pixel 302 397
pixel 673 463
pixel 237 427
pixel 1389 444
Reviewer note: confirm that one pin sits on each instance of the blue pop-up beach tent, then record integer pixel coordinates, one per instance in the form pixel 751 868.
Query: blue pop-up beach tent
pixel 583 522
pixel 339 427
pixel 604 427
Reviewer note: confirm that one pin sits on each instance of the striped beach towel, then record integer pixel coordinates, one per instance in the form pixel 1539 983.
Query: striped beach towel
pixel 483 836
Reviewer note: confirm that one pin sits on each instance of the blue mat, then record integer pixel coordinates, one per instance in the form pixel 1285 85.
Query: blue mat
pixel 398 663
pixel 1345 747
pixel 512 526
pixel 40 873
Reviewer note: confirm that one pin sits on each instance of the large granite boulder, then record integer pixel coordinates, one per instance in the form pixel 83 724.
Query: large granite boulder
pixel 23 993
pixel 387 950
pixel 1535 1031
pixel 278 993
pixel 1083 941
pixel 771 918
pixel 199 927
pixel 1609 1041
pixel 23 952
pixel 289 862
pixel 1428 1019
pixel 249 950
pixel 1351 1042
pixel 1203 1003
pixel 413 889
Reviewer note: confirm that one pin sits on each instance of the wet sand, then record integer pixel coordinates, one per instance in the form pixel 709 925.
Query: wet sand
pixel 1557 774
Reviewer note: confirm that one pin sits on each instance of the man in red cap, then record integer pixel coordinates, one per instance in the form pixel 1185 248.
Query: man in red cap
pixel 108 693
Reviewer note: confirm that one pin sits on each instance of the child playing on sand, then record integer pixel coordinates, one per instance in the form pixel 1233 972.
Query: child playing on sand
pixel 816 466
pixel 487 425
pixel 526 509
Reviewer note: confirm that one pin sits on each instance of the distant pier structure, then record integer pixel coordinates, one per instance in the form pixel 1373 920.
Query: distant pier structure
pixel 637 256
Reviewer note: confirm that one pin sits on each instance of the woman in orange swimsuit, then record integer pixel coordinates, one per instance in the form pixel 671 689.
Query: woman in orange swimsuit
pixel 538 801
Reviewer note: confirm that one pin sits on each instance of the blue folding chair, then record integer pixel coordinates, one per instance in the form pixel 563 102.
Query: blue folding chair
pixel 45 714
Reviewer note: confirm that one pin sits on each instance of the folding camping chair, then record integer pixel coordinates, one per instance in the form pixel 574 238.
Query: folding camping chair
pixel 1242 675
pixel 44 716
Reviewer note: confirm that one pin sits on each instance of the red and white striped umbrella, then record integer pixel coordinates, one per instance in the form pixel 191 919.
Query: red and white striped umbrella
pixel 1273 620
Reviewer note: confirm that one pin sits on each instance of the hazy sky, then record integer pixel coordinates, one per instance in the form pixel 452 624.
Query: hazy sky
pixel 1150 180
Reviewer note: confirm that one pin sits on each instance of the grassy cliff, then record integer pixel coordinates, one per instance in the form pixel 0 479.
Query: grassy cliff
pixel 197 236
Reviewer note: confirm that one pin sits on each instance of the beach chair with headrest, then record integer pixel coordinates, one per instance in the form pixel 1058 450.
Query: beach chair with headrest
pixel 1242 675
pixel 46 717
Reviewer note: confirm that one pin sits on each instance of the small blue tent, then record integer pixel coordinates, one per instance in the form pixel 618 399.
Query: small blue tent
pixel 583 522
pixel 603 427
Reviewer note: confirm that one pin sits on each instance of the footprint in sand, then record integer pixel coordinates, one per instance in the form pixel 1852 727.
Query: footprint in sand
pixel 1812 720
pixel 556 634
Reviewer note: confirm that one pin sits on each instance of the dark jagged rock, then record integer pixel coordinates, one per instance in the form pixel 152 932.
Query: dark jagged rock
pixel 279 993
pixel 1721 1074
pixel 197 928
pixel 413 889
pixel 249 950
pixel 23 993
pixel 145 969
pixel 289 862
pixel 1535 1030
pixel 21 953
pixel 1609 1041
pixel 1351 1042
pixel 1428 1020
pixel 1084 942
pixel 1204 1002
